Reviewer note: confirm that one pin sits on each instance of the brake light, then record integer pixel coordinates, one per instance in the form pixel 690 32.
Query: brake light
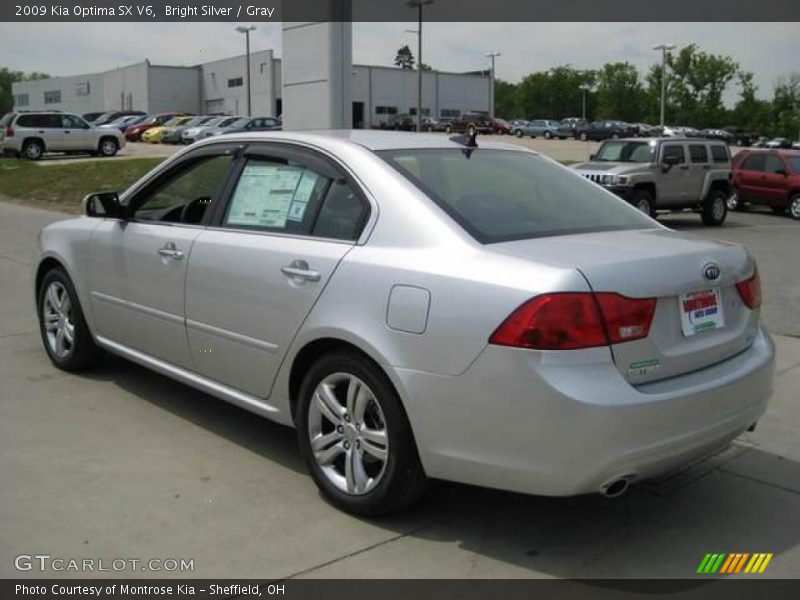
pixel 9 132
pixel 572 320
pixel 750 291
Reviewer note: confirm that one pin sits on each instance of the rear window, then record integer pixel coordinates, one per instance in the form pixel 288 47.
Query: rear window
pixel 719 153
pixel 503 195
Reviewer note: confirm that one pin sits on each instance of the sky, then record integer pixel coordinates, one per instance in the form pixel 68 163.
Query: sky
pixel 770 50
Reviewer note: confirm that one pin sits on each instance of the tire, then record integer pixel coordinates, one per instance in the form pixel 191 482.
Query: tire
pixel 584 137
pixel 548 135
pixel 518 133
pixel 57 325
pixel 448 129
pixel 794 206
pixel 33 149
pixel 385 485
pixel 734 201
pixel 107 147
pixel 715 208
pixel 643 200
pixel 471 130
pixel 614 136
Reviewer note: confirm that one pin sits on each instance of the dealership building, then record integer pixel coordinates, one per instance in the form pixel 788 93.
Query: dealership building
pixel 219 87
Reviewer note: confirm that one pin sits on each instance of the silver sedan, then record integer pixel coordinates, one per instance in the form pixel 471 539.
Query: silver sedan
pixel 417 307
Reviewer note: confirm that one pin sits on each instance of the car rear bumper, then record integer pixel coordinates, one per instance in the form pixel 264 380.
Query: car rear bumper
pixel 567 423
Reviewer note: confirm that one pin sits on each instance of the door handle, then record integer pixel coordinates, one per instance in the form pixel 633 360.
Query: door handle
pixel 706 167
pixel 171 251
pixel 299 270
pixel 685 168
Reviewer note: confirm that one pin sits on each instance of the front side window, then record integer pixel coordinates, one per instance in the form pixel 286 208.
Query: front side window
pixel 284 196
pixel 773 164
pixel 72 122
pixel 188 194
pixel 676 151
pixel 756 162
pixel 503 195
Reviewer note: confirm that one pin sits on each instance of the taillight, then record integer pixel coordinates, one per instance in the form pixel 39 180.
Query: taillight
pixel 750 291
pixel 9 132
pixel 572 320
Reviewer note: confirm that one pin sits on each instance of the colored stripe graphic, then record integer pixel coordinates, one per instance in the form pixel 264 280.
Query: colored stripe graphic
pixel 726 566
pixel 717 564
pixel 722 563
pixel 703 563
pixel 741 562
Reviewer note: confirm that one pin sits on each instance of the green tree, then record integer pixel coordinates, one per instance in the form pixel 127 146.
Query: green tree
pixel 505 100
pixel 8 77
pixel 404 58
pixel 620 93
pixel 555 94
pixel 786 106
pixel 750 112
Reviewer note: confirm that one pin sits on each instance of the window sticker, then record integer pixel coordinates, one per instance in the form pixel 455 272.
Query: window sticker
pixel 302 195
pixel 263 195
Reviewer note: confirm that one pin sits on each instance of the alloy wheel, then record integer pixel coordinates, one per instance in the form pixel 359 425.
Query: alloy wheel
pixel 794 207
pixel 718 208
pixel 733 201
pixel 348 434
pixel 59 324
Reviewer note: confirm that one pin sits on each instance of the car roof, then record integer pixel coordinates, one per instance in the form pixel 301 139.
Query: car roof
pixel 375 140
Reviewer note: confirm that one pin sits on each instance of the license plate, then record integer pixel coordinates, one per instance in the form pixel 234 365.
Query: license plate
pixel 701 311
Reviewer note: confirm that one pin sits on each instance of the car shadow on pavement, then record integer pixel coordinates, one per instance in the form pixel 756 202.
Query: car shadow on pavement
pixel 743 500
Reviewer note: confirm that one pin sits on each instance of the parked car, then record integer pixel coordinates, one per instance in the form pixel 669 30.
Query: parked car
pixel 779 143
pixel 243 125
pixel 645 130
pixel 91 116
pixel 603 130
pixel 516 123
pixel 664 174
pixel 32 134
pixel 597 334
pixel 400 122
pixel 113 115
pixel 174 134
pixel 470 122
pixel 761 142
pixel 538 127
pixel 193 133
pixel 154 134
pixel 124 122
pixel 431 124
pixel 501 126
pixel 717 134
pixel 769 178
pixel 134 132
pixel 741 136
pixel 568 128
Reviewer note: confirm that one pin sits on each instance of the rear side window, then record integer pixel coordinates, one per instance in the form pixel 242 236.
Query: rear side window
pixel 42 121
pixel 504 195
pixel 756 162
pixel 719 153
pixel 675 151
pixel 773 164
pixel 698 153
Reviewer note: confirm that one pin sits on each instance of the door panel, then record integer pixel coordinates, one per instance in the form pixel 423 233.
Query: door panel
pixel 242 310
pixel 672 185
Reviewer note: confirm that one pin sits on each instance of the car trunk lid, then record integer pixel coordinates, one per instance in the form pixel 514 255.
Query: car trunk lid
pixel 697 322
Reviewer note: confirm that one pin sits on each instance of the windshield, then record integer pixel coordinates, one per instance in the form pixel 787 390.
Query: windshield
pixel 640 152
pixel 238 123
pixel 503 195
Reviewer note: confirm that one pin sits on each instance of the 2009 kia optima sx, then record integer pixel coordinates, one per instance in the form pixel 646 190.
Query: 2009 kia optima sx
pixel 417 307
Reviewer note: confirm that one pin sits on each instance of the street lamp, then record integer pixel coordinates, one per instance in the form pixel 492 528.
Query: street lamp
pixel 492 56
pixel 664 48
pixel 418 4
pixel 584 87
pixel 246 31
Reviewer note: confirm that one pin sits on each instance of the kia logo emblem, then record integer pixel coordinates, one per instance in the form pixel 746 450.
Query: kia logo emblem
pixel 711 271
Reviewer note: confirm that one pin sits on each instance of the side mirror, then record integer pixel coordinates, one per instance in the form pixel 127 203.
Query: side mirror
pixel 670 161
pixel 103 205
pixel 592 157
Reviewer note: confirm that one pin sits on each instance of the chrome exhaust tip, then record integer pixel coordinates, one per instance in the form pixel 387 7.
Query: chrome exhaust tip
pixel 616 488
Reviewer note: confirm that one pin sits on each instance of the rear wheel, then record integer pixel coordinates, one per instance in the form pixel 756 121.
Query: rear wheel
pixel 355 437
pixel 33 149
pixel 794 206
pixel 644 201
pixel 65 334
pixel 714 209
pixel 518 133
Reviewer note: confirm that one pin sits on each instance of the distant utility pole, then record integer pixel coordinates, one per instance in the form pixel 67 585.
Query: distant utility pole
pixel 664 48
pixel 492 55
pixel 246 31
pixel 584 87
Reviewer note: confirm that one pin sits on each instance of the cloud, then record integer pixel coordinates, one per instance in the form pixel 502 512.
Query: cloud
pixel 769 50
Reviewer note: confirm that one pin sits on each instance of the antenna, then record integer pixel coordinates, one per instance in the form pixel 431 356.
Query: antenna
pixel 466 139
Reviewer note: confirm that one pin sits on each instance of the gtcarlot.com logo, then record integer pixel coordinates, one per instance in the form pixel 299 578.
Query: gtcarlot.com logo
pixel 736 562
pixel 46 562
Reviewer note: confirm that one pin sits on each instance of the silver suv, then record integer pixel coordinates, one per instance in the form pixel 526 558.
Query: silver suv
pixel 658 174
pixel 31 134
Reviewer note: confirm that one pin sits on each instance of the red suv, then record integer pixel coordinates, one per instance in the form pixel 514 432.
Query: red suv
pixel 770 177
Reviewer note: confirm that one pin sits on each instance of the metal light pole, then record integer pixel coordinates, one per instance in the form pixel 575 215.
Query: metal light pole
pixel 246 31
pixel 492 55
pixel 584 87
pixel 418 4
pixel 664 48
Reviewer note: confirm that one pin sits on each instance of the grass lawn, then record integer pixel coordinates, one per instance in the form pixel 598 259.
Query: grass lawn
pixel 62 187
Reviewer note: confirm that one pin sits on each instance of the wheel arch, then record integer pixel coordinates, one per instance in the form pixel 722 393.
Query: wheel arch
pixel 33 138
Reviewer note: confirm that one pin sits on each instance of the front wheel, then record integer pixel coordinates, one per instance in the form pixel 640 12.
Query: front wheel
pixel 518 133
pixel 108 147
pixel 584 137
pixel 643 200
pixel 715 209
pixel 65 334
pixel 547 135
pixel 448 129
pixel 355 437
